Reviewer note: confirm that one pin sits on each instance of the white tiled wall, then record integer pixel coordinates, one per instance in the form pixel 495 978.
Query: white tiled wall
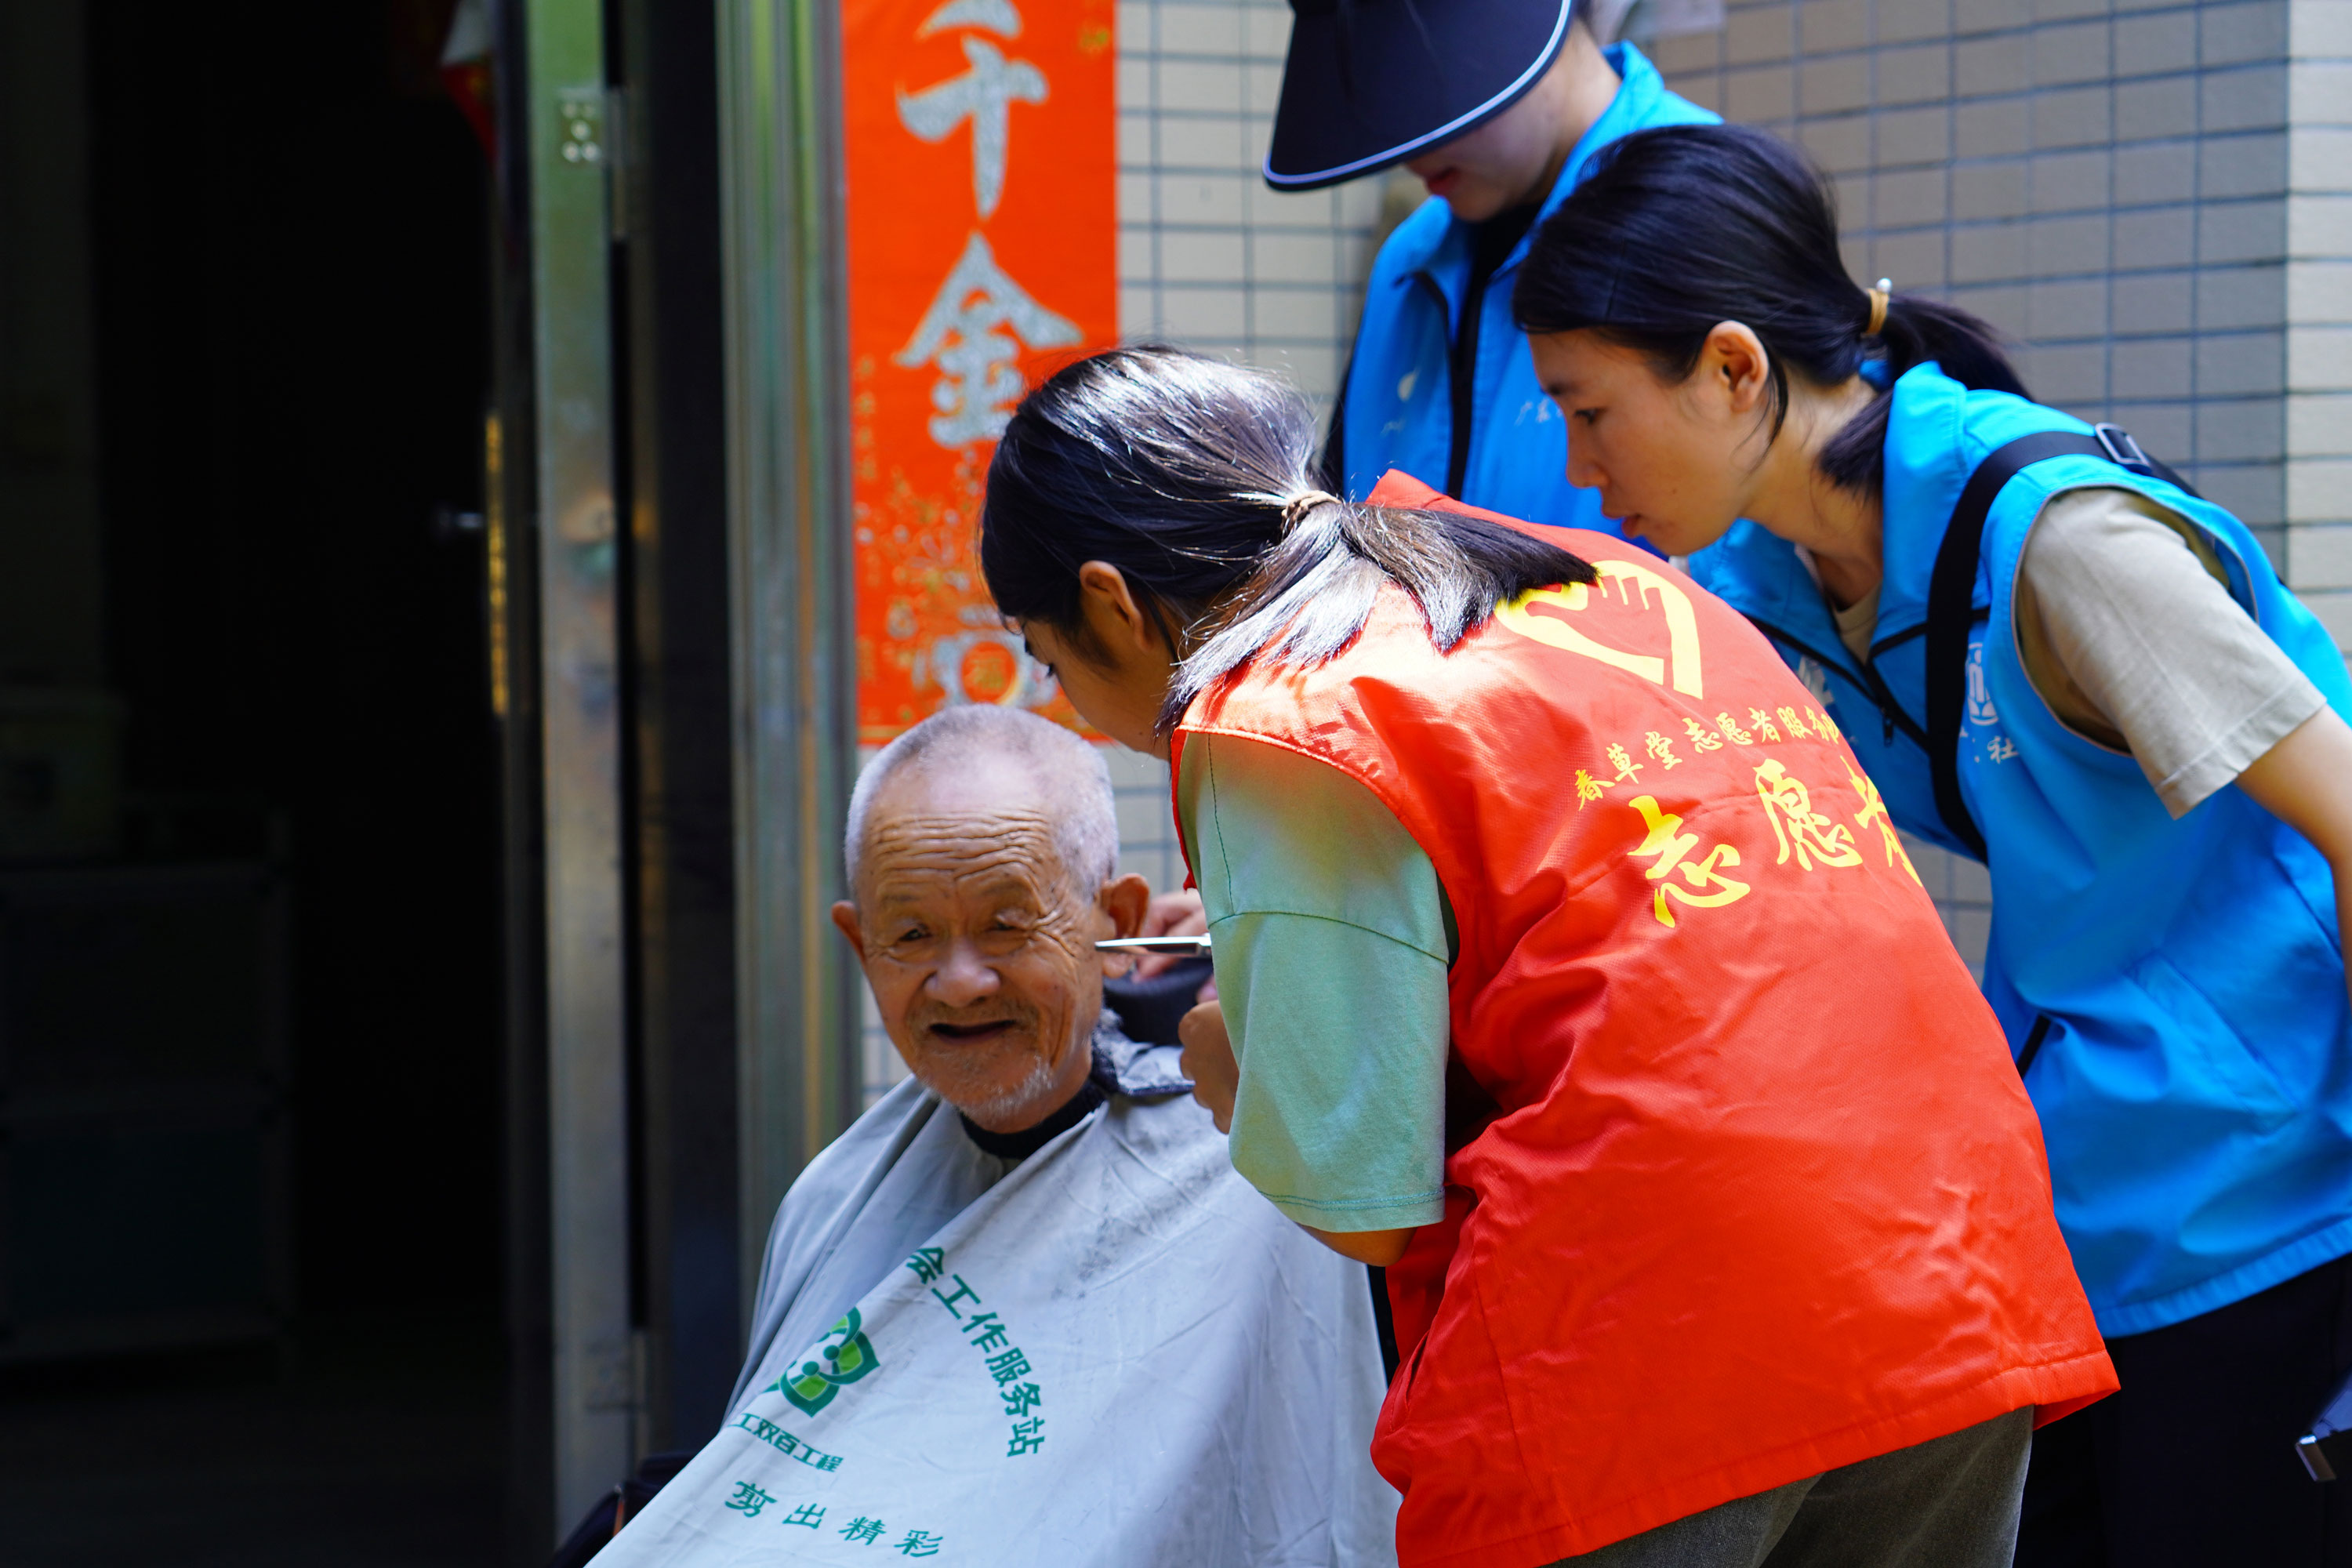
pixel 2319 310
pixel 2106 180
pixel 1209 257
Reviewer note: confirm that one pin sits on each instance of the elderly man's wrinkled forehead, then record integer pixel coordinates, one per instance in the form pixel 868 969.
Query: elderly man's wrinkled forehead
pixel 974 816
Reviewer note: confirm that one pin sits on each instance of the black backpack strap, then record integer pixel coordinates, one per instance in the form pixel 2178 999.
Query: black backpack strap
pixel 2033 1038
pixel 1951 593
pixel 1951 610
pixel 2115 444
pixel 1951 596
pixel 1383 1322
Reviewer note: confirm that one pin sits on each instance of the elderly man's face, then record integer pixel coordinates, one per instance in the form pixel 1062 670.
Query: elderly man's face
pixel 979 952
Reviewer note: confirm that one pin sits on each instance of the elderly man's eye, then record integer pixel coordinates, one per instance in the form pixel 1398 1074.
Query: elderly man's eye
pixel 1005 932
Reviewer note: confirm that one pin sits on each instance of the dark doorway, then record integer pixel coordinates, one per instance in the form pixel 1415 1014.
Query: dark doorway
pixel 250 970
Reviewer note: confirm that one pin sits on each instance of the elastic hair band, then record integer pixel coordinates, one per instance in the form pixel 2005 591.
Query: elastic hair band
pixel 1295 510
pixel 1879 299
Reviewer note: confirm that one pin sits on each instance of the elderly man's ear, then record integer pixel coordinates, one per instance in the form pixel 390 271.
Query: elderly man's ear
pixel 1125 899
pixel 844 915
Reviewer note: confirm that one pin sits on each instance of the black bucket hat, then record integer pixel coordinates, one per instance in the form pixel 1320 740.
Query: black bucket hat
pixel 1372 82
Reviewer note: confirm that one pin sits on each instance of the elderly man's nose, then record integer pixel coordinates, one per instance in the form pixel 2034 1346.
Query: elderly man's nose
pixel 965 976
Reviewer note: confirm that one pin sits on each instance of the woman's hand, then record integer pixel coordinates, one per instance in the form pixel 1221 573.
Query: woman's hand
pixel 1208 1061
pixel 1170 914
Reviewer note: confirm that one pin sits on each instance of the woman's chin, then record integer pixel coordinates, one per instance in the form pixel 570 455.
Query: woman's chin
pixel 1666 538
pixel 1633 525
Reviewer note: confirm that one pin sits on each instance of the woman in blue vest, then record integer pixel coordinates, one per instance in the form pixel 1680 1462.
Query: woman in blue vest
pixel 2049 656
pixel 1496 106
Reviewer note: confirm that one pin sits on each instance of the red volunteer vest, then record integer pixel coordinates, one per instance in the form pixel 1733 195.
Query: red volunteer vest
pixel 1758 1194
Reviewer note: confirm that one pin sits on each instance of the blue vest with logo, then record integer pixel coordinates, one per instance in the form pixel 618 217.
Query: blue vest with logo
pixel 2194 1084
pixel 1397 409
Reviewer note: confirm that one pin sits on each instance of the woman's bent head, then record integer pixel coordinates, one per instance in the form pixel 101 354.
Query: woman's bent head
pixel 1153 522
pixel 1688 298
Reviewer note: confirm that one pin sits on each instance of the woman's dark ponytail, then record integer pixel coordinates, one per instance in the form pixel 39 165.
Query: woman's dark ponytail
pixel 1194 478
pixel 1682 227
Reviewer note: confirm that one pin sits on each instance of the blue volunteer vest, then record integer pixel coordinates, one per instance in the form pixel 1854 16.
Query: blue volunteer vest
pixel 2194 1085
pixel 1397 407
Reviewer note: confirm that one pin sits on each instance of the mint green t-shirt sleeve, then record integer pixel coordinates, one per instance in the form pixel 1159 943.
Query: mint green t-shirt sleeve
pixel 1331 945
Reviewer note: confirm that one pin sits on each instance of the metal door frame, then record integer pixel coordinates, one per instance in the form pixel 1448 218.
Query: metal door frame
pixel 568 146
pixel 787 398
pixel 560 572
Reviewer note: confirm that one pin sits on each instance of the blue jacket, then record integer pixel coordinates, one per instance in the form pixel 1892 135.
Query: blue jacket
pixel 2195 1085
pixel 1397 407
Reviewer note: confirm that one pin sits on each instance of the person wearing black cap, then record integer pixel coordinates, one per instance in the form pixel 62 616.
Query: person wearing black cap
pixel 1498 106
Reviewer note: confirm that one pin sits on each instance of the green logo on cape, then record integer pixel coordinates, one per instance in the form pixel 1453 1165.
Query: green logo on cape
pixel 841 1358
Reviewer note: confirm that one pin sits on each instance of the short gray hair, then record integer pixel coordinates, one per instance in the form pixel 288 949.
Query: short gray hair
pixel 1086 828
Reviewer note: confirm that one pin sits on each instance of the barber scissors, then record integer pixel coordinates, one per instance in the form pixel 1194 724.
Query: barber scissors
pixel 1172 946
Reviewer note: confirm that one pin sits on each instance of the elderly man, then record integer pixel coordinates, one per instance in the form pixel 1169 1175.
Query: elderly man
pixel 1023 1311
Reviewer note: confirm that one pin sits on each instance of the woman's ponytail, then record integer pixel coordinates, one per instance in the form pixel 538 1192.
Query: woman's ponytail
pixel 1311 593
pixel 1193 477
pixel 1916 331
pixel 1682 227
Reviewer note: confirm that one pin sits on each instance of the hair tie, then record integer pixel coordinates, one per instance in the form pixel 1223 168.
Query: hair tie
pixel 1880 297
pixel 1295 510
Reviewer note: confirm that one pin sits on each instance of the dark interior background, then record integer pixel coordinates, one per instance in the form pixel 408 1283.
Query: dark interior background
pixel 243 298
pixel 291 336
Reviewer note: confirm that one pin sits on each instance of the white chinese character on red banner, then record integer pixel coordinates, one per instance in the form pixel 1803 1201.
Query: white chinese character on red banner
pixel 978 384
pixel 984 95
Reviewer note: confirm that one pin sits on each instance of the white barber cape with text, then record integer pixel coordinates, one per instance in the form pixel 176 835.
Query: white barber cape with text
pixel 1111 1352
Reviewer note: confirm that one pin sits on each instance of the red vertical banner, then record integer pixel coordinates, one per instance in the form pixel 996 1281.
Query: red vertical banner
pixel 981 139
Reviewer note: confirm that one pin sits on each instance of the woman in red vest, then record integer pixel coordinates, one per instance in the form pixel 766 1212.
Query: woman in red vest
pixel 1575 974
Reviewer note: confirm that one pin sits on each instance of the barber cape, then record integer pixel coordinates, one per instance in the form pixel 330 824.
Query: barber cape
pixel 1113 1352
